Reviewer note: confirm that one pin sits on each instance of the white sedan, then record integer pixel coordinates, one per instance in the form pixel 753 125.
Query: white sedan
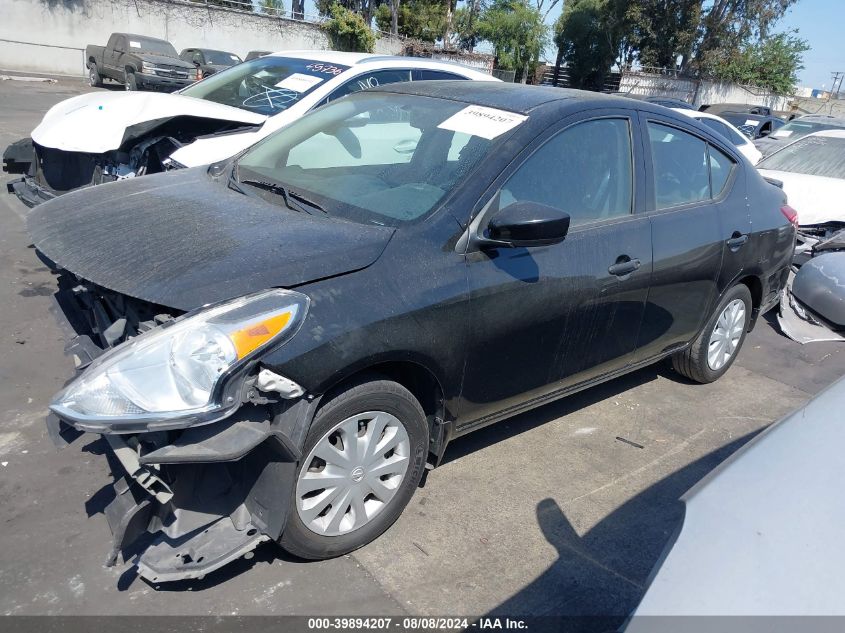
pixel 737 138
pixel 812 170
pixel 102 136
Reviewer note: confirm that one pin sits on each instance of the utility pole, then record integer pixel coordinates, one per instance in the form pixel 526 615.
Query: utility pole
pixel 838 76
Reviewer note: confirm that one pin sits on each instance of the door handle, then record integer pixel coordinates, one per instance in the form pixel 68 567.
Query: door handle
pixel 626 267
pixel 736 241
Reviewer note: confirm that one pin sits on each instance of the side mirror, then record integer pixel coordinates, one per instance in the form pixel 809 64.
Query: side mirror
pixel 526 223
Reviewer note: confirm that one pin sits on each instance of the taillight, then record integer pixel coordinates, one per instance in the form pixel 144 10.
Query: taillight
pixel 790 214
pixel 199 74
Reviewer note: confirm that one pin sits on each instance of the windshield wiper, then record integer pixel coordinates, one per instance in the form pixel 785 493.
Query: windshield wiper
pixel 293 200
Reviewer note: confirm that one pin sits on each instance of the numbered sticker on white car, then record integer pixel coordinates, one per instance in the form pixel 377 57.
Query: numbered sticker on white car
pixel 299 82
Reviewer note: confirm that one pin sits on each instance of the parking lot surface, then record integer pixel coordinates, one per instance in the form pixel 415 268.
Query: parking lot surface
pixel 563 510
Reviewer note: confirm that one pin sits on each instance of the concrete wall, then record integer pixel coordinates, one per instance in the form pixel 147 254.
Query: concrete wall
pixel 699 92
pixel 49 36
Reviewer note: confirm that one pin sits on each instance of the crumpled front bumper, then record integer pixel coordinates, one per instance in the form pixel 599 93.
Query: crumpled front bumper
pixel 28 191
pixel 187 503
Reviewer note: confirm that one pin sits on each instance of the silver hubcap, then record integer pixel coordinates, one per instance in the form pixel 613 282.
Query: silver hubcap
pixel 352 473
pixel 726 334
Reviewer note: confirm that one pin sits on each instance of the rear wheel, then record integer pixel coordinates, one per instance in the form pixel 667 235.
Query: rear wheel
pixel 131 83
pixel 364 457
pixel 94 79
pixel 714 351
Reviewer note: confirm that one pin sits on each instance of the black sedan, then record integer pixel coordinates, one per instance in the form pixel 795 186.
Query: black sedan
pixel 209 61
pixel 276 346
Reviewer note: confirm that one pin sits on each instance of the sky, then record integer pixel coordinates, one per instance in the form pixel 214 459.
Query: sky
pixel 817 21
pixel 820 23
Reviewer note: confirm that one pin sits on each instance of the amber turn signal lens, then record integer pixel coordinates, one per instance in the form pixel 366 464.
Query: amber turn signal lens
pixel 253 336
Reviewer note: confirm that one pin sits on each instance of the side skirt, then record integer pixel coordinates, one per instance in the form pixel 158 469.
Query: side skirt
pixel 560 393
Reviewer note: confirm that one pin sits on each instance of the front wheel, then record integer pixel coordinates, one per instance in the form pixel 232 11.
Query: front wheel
pixel 714 350
pixel 364 457
pixel 94 79
pixel 131 82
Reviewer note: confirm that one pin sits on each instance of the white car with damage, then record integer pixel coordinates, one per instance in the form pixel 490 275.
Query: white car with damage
pixel 101 136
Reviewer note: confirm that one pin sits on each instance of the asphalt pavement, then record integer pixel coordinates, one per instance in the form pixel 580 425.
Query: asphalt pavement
pixel 560 511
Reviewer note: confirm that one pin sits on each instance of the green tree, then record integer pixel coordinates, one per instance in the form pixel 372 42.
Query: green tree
pixel 273 7
pixel 348 31
pixel 587 41
pixel 771 64
pixel 665 30
pixel 517 32
pixel 733 25
pixel 465 26
pixel 420 19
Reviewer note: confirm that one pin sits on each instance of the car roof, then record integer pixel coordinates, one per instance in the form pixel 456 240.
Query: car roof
pixel 330 57
pixel 821 118
pixel 827 133
pixel 504 96
pixel 359 59
pixel 212 50
pixel 143 37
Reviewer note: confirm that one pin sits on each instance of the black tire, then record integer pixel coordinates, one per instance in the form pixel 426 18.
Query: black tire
pixel 94 79
pixel 692 362
pixel 131 83
pixel 374 395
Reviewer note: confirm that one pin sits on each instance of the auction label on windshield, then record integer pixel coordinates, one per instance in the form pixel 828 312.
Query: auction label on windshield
pixel 299 82
pixel 481 121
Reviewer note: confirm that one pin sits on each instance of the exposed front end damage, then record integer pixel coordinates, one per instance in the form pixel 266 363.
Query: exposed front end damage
pixel 187 500
pixel 49 172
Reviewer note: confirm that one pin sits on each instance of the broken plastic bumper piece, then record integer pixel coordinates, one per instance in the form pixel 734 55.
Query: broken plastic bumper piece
pixel 190 502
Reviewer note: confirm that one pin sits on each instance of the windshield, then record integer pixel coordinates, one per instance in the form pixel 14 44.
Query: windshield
pixel 221 58
pixel 152 46
pixel 267 85
pixel 797 128
pixel 812 155
pixel 378 158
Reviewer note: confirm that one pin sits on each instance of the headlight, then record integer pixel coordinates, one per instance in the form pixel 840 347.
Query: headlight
pixel 180 370
pixel 147 67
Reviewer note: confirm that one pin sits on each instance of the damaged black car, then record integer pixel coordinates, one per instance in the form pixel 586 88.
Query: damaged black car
pixel 277 346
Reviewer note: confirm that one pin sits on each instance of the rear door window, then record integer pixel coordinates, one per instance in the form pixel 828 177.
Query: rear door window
pixel 721 167
pixel 426 75
pixel 680 166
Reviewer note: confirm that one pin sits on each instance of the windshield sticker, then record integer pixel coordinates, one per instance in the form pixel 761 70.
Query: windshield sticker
pixel 299 82
pixel 484 122
pixel 783 133
pixel 751 122
pixel 134 44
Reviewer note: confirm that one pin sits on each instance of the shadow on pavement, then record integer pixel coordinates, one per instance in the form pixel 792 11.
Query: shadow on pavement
pixel 600 576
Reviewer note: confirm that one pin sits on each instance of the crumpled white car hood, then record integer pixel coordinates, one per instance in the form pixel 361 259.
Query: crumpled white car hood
pixel 96 122
pixel 818 199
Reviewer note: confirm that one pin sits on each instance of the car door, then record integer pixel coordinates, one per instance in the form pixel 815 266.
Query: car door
pixel 115 45
pixel 546 318
pixel 700 223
